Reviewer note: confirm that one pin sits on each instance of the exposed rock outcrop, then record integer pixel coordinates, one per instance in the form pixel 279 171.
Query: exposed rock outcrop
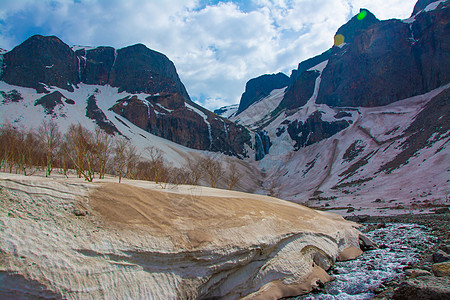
pixel 424 287
pixel 41 59
pixel 260 87
pixel 313 130
pixel 187 124
pixel 406 59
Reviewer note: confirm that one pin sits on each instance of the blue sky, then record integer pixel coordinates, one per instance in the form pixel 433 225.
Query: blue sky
pixel 217 46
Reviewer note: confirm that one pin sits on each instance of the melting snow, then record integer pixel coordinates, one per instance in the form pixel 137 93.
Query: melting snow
pixel 260 111
pixel 434 5
pixel 49 67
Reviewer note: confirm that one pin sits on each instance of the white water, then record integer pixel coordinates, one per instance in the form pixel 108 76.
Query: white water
pixel 357 278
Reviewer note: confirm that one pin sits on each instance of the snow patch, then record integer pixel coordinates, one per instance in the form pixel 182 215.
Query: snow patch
pixel 260 112
pixel 320 67
pixel 49 67
pixel 434 5
pixel 78 47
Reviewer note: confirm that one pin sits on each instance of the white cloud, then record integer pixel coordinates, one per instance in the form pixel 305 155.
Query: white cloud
pixel 216 48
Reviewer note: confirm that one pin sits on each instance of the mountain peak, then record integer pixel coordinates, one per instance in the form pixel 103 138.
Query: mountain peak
pixel 360 22
pixel 41 59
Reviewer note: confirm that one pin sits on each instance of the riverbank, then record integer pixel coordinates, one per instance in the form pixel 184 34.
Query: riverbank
pixel 419 280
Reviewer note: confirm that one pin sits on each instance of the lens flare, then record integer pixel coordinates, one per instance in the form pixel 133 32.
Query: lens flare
pixel 362 15
pixel 339 39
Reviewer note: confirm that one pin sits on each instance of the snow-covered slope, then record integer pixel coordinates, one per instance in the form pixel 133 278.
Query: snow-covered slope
pixel 382 159
pixel 18 106
pixel 25 113
pixel 227 111
pixel 260 112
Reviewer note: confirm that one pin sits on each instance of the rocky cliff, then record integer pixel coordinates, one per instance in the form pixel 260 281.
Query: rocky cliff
pixel 149 92
pixel 364 118
pixel 260 87
pixel 405 58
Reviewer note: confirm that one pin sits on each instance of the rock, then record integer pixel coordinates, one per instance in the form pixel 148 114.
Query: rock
pixel 313 130
pixel 441 210
pixel 184 125
pixel 418 272
pixel 420 5
pixel 349 253
pixel 441 269
pixel 50 101
pixel 440 256
pixel 424 287
pixel 260 87
pixel 366 244
pixel 299 93
pixel 95 113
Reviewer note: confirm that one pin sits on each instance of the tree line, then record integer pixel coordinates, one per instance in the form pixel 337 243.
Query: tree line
pixel 94 154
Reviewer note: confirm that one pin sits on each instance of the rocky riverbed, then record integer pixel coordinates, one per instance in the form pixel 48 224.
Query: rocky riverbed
pixel 412 261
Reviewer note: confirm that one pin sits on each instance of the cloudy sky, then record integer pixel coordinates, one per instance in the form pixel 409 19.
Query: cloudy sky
pixel 217 46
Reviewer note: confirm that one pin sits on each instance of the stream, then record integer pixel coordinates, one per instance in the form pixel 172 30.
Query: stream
pixel 356 279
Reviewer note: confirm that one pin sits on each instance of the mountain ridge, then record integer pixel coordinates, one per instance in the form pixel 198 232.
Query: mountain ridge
pixel 157 100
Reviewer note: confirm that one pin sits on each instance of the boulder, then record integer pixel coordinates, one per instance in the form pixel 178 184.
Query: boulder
pixel 440 256
pixel 366 244
pixel 419 272
pixel 424 287
pixel 441 269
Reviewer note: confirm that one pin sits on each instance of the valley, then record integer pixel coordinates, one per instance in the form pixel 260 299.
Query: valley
pixel 335 180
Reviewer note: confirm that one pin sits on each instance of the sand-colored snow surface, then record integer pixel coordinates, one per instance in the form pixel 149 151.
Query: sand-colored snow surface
pixel 65 238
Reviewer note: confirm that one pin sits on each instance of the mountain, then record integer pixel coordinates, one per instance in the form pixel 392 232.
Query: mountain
pixel 260 87
pixel 142 87
pixel 364 125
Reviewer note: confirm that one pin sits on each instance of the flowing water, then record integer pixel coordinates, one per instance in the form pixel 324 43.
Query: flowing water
pixel 356 279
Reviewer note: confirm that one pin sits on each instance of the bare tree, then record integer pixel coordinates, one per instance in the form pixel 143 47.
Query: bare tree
pixel 132 158
pixel 8 146
pixel 156 165
pixel 50 138
pixel 213 169
pixel 81 151
pixel 103 143
pixel 195 170
pixel 233 176
pixel 120 156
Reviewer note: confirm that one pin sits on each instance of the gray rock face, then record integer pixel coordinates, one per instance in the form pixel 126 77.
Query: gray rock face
pixel 313 130
pixel 260 87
